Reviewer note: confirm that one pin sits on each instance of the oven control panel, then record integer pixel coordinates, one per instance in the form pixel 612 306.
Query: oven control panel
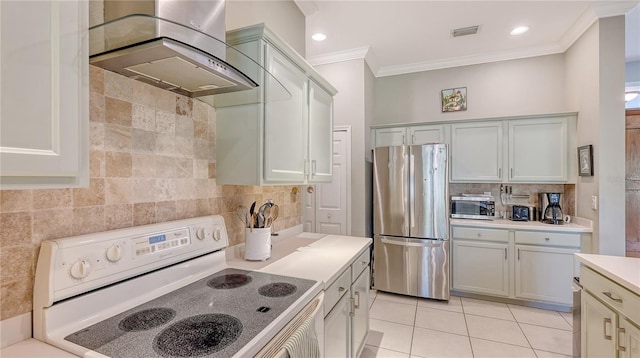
pixel 160 243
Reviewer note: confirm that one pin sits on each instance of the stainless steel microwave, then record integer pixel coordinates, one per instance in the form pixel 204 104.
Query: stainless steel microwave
pixel 466 206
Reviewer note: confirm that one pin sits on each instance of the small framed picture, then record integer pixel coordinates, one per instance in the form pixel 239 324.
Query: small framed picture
pixel 454 99
pixel 585 161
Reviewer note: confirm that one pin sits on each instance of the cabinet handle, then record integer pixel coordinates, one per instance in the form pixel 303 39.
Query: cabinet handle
pixel 306 167
pixel 499 172
pixel 357 305
pixel 604 328
pixel 620 347
pixel 403 142
pixel 505 253
pixel 479 234
pixel 511 177
pixel 313 168
pixel 352 311
pixel 518 254
pixel 610 296
pixel 546 239
pixel 340 289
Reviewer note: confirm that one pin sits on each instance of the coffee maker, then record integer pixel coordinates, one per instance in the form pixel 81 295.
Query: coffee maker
pixel 549 208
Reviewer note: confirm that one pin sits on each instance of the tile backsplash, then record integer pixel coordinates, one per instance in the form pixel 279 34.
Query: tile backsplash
pixel 152 159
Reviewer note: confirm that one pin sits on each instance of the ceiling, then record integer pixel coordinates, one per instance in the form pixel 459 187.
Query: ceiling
pixel 399 37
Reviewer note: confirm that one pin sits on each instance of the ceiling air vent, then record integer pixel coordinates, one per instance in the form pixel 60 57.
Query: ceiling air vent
pixel 464 31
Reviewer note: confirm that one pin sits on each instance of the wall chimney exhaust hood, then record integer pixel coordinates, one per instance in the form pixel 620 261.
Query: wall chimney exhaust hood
pixel 174 45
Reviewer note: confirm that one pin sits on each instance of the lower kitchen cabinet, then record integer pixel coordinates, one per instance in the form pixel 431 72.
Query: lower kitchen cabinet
pixel 359 312
pixel 610 318
pixel 481 267
pixel 337 325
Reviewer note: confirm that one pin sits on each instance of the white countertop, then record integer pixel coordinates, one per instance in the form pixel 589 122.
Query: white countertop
pixel 31 348
pixel 578 225
pixel 623 270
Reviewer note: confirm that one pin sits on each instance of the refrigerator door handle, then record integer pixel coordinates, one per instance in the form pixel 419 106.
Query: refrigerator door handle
pixel 412 193
pixel 410 243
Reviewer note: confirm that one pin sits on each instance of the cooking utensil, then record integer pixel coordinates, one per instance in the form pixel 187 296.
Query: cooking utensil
pixel 275 209
pixel 267 216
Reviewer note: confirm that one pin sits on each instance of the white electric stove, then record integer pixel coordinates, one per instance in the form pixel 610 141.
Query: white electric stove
pixel 161 290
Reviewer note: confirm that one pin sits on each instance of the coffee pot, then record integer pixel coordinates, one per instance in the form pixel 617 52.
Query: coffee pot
pixel 553 212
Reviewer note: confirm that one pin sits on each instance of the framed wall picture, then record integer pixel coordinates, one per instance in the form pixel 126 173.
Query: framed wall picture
pixel 585 161
pixel 454 99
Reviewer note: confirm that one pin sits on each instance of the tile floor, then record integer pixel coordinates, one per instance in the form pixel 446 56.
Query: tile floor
pixel 404 326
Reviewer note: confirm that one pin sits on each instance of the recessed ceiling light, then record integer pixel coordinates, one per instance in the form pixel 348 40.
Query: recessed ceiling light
pixel 319 36
pixel 629 96
pixel 519 30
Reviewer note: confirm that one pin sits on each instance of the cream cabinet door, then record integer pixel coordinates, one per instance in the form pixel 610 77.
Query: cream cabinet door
pixel 44 86
pixel 387 137
pixel 476 152
pixel 360 314
pixel 320 134
pixel 628 339
pixel 427 134
pixel 480 267
pixel 285 122
pixel 538 150
pixel 598 328
pixel 337 340
pixel 544 273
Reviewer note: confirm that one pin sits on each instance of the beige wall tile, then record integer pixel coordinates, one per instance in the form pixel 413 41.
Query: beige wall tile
pixel 144 213
pixel 16 262
pixel 54 198
pixel 165 122
pixel 185 209
pixel 96 136
pixel 165 100
pixel 88 220
pixel 143 94
pixel 212 170
pixel 143 117
pixel 184 168
pixel 184 126
pixel 185 189
pixel 166 211
pixel 203 208
pixel 201 169
pixel 117 86
pixel 165 189
pixel 144 165
pixel 184 106
pixel 52 224
pixel 96 80
pixel 91 196
pixel 96 107
pixel 201 130
pixel 201 149
pixel 144 190
pixel 118 216
pixel 117 138
pixel 165 144
pixel 15 200
pixel 96 164
pixel 118 164
pixel 165 167
pixel 16 298
pixel 117 111
pixel 15 229
pixel 184 147
pixel 143 141
pixel 118 191
pixel 200 111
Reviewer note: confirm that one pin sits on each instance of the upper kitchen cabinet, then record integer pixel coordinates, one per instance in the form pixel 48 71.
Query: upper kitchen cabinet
pixel 410 135
pixel 45 94
pixel 280 132
pixel 531 149
pixel 476 152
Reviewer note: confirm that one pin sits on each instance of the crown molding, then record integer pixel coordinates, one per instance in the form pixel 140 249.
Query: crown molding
pixel 307 7
pixel 613 8
pixel 339 56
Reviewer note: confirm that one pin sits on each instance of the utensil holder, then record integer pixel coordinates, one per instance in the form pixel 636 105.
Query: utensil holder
pixel 257 246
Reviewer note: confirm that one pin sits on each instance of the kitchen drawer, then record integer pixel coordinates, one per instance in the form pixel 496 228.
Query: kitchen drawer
pixel 609 292
pixel 473 233
pixel 360 264
pixel 338 288
pixel 547 239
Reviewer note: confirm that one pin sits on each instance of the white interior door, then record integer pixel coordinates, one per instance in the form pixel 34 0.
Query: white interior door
pixel 309 209
pixel 332 198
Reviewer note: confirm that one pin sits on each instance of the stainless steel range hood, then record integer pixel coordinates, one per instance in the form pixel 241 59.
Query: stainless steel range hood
pixel 172 44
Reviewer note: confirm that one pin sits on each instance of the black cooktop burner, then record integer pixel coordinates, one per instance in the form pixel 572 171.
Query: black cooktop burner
pixel 277 289
pixel 228 281
pixel 197 336
pixel 147 319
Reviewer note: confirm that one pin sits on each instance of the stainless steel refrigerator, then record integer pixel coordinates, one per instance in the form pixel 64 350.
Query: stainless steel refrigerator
pixel 411 220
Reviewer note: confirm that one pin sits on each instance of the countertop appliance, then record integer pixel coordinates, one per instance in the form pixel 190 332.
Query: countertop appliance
pixel 473 206
pixel 163 290
pixel 172 44
pixel 411 220
pixel 550 208
pixel 520 213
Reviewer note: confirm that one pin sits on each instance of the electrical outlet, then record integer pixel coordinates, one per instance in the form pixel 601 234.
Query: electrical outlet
pixel 594 202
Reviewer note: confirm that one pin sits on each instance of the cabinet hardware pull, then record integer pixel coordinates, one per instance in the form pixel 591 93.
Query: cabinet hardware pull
pixel 352 302
pixel 340 289
pixel 479 234
pixel 357 305
pixel 610 296
pixel 518 254
pixel 511 177
pixel 499 172
pixel 604 328
pixel 505 253
pixel 364 263
pixel 620 347
pixel 546 239
pixel 314 168
pixel 403 142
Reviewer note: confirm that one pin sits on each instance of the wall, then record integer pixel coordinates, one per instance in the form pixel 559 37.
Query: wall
pixel 525 86
pixel 348 78
pixel 152 159
pixel 281 16
pixel 599 52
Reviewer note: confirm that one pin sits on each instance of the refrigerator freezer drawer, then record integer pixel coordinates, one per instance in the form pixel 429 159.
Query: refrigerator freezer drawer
pixel 415 267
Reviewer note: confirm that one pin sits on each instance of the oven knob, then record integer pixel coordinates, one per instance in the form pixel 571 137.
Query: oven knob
pixel 217 235
pixel 80 269
pixel 203 233
pixel 114 253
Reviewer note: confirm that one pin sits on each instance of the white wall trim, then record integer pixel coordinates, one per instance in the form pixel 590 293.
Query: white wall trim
pixel 339 56
pixel 307 7
pixel 15 329
pixel 612 8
